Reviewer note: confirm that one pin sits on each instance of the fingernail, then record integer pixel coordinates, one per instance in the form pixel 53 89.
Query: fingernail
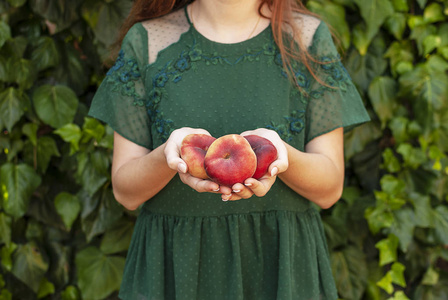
pixel 182 168
pixel 226 197
pixel 217 190
pixel 274 171
pixel 248 184
pixel 236 191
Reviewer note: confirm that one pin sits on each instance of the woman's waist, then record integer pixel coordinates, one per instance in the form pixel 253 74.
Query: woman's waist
pixel 180 200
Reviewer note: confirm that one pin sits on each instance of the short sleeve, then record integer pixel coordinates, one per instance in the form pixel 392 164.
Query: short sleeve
pixel 334 101
pixel 119 100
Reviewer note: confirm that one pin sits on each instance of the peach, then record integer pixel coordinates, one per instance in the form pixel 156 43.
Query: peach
pixel 265 151
pixel 192 151
pixel 229 160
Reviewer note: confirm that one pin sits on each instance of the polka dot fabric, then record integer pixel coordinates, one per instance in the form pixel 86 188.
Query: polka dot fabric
pixel 188 245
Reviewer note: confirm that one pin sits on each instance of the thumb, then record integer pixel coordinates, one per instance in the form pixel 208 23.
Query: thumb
pixel 277 167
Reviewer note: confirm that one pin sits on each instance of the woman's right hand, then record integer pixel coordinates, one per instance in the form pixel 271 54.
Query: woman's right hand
pixel 175 162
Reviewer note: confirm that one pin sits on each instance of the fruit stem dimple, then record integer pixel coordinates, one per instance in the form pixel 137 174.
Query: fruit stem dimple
pixel 227 156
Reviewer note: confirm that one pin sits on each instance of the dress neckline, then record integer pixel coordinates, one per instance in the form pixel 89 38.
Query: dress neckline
pixel 246 42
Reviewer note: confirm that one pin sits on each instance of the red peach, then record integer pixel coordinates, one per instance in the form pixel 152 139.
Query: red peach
pixel 265 151
pixel 193 149
pixel 229 160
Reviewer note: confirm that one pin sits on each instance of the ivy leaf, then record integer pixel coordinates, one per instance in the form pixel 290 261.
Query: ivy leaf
pixel 105 271
pixel 118 238
pixel 382 93
pixel 419 33
pixel 70 133
pixel 22 72
pixel 396 24
pixel 18 182
pixel 45 149
pixel 437 64
pixel 92 170
pixel 6 255
pixel 433 13
pixel 400 5
pixel 403 227
pixel 45 54
pixel 17 3
pixel 63 12
pixel 103 218
pixel 13 104
pixel 374 13
pixel 46 288
pixel 430 43
pixel 30 130
pixel 441 223
pixel 422 3
pixel 433 292
pixel 380 216
pixel 350 272
pixel 364 68
pixel 388 249
pixel 400 295
pixel 390 161
pixel 423 210
pixel 333 14
pixel 92 128
pixel 430 90
pixel 399 128
pixel 72 70
pixel 413 157
pixel 392 185
pixel 29 265
pixel 55 105
pixel 399 54
pixel 70 293
pixel 431 277
pixel 112 13
pixel 5 229
pixel 68 207
pixel 360 39
pixel 5 33
pixel 397 275
pixel 358 138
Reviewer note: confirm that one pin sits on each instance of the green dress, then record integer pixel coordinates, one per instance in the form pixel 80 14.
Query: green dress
pixel 188 245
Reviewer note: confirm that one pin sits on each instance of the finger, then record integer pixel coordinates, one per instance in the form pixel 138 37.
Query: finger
pixel 199 185
pixel 277 167
pixel 230 197
pixel 173 159
pixel 242 191
pixel 260 187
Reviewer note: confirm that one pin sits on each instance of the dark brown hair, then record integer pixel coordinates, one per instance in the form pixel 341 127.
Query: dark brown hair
pixel 283 15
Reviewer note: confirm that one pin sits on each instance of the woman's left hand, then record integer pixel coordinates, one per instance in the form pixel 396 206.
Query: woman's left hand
pixel 261 186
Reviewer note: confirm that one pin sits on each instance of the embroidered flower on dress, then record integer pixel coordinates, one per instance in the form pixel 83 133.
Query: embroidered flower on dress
pixel 182 64
pixel 123 75
pixel 160 79
pixel 302 79
pixel 293 125
pixel 195 54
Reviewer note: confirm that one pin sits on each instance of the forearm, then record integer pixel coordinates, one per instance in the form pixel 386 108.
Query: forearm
pixel 314 176
pixel 141 178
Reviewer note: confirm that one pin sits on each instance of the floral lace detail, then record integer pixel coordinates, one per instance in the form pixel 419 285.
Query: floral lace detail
pixel 293 125
pixel 175 69
pixel 122 77
pixel 329 69
pixel 333 74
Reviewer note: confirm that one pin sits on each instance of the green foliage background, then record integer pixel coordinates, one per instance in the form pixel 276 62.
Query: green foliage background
pixel 62 234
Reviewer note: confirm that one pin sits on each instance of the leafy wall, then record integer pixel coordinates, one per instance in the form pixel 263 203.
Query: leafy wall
pixel 62 234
